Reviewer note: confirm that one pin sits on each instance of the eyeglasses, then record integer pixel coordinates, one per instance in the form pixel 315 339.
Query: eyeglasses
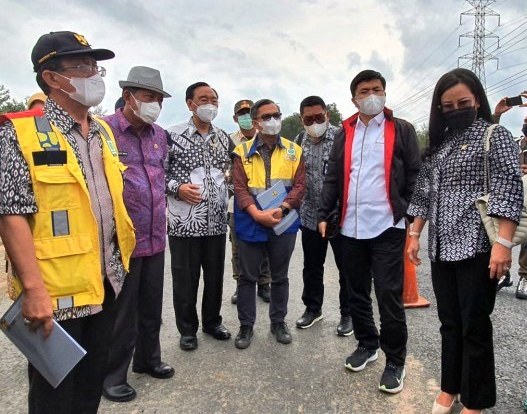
pixel 452 106
pixel 86 70
pixel 267 117
pixel 308 120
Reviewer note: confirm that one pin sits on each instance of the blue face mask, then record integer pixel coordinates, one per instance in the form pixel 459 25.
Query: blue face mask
pixel 245 122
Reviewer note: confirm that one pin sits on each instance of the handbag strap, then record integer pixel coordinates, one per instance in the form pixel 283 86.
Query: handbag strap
pixel 486 147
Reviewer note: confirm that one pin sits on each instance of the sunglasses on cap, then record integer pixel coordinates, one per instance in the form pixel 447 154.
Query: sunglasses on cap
pixel 310 119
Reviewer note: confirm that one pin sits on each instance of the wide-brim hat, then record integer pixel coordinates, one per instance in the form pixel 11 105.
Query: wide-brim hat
pixel 58 44
pixel 143 77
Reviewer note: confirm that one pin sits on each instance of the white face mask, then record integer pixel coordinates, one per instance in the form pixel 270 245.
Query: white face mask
pixel 271 127
pixel 88 91
pixel 148 111
pixel 372 104
pixel 207 112
pixel 316 130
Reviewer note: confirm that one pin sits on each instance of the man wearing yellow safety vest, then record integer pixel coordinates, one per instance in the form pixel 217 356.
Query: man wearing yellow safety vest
pixel 65 225
pixel 260 164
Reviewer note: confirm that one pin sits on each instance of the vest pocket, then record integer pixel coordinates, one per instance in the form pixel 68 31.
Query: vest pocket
pixel 51 247
pixel 57 189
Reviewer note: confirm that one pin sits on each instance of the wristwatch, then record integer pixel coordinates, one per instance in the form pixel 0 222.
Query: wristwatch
pixel 285 211
pixel 508 244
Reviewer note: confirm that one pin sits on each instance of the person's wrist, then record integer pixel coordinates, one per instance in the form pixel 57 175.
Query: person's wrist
pixel 415 234
pixel 504 242
pixel 285 210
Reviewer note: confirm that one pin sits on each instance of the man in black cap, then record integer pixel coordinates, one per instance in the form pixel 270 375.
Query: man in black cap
pixel 246 132
pixel 142 146
pixel 67 231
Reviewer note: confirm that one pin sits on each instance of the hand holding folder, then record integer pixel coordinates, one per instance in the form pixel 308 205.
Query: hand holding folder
pixel 54 357
pixel 272 198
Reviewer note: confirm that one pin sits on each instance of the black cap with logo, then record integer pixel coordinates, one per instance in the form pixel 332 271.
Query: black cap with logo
pixel 57 44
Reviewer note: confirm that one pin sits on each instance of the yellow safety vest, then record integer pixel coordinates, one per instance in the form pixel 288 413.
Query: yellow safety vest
pixel 65 232
pixel 285 160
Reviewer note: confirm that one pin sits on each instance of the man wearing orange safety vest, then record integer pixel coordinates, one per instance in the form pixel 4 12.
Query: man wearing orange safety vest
pixel 65 225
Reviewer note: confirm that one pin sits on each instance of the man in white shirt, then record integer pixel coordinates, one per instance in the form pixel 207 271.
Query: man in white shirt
pixel 371 172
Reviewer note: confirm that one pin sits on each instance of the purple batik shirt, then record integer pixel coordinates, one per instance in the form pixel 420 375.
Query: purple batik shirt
pixel 144 181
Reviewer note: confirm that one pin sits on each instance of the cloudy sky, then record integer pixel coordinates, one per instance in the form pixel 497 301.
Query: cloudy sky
pixel 282 49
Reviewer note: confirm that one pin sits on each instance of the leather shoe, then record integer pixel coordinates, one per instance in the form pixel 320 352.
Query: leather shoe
pixel 119 393
pixel 244 337
pixel 162 371
pixel 281 331
pixel 188 343
pixel 308 319
pixel 264 291
pixel 220 332
pixel 345 326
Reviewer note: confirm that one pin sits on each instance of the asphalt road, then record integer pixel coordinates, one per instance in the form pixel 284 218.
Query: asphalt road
pixel 307 376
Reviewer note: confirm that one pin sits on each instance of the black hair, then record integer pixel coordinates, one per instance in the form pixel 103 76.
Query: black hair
pixel 312 101
pixel 366 76
pixel 260 103
pixel 53 65
pixel 189 94
pixel 119 103
pixel 437 123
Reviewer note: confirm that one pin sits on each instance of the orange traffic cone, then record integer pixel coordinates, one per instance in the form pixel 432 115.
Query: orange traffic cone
pixel 411 298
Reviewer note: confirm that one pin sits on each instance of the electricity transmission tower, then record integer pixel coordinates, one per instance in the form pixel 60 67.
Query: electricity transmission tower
pixel 480 10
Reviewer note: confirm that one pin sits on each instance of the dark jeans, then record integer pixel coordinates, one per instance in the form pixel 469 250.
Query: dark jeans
pixel 265 272
pixel 279 250
pixel 380 258
pixel 188 256
pixel 315 248
pixel 80 392
pixel 138 319
pixel 465 299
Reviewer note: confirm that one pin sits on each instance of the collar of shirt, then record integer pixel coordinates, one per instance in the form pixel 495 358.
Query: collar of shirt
pixel 63 120
pixel 377 119
pixel 260 143
pixel 192 129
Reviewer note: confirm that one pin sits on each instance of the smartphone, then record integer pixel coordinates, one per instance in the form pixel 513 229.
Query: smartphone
pixel 514 101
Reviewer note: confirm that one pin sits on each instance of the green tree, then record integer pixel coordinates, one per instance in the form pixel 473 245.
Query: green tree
pixel 292 125
pixel 422 136
pixel 7 104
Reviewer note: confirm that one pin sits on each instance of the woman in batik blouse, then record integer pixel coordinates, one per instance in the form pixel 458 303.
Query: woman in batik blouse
pixel 465 267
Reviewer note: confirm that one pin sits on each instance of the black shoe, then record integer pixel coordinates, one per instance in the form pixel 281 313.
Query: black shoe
pixel 308 319
pixel 188 343
pixel 281 331
pixel 264 291
pixel 392 380
pixel 505 281
pixel 119 393
pixel 345 326
pixel 163 371
pixel 220 332
pixel 244 337
pixel 234 298
pixel 358 360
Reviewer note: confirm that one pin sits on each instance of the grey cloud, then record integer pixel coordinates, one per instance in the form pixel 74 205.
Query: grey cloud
pixel 354 60
pixel 376 62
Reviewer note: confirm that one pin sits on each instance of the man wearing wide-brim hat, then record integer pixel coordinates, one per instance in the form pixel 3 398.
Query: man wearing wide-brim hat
pixel 142 146
pixel 65 225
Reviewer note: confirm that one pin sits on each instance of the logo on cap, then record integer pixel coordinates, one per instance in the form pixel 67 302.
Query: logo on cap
pixel 81 39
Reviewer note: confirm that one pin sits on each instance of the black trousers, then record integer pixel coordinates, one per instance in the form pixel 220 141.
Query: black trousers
pixel 138 319
pixel 315 248
pixel 80 392
pixel 465 299
pixel 380 258
pixel 278 249
pixel 188 256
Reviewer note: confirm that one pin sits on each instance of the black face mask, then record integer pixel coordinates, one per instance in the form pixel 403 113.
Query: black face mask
pixel 524 130
pixel 460 118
